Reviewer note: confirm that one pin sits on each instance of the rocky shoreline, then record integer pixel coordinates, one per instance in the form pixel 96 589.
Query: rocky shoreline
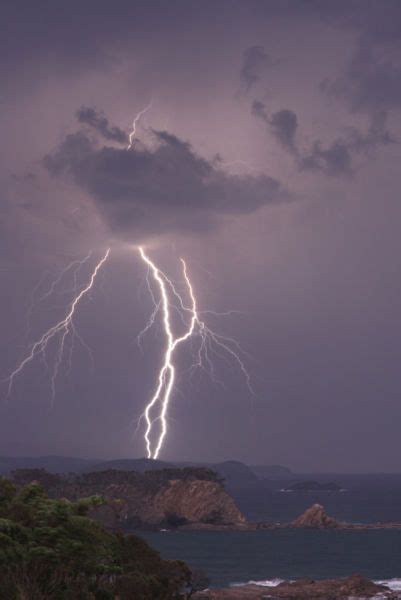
pixel 314 517
pixel 173 499
pixel 355 587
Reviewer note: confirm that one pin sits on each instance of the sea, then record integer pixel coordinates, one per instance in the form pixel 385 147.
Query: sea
pixel 267 557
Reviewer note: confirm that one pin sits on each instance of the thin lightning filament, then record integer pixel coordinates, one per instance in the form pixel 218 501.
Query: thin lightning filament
pixel 209 340
pixel 63 328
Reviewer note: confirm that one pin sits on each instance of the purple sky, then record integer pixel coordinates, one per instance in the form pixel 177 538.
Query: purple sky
pixel 269 159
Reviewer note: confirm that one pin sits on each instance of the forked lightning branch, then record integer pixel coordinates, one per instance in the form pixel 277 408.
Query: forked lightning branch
pixel 56 345
pixel 60 338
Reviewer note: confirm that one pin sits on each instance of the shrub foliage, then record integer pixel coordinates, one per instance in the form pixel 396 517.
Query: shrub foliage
pixel 49 549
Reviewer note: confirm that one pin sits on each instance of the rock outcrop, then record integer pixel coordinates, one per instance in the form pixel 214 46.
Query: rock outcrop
pixel 315 517
pixel 199 502
pixel 304 589
pixel 178 503
pixel 313 486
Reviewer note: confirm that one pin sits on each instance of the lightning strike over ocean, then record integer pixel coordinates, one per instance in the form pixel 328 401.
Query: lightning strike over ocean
pixel 62 329
pixel 166 298
pixel 209 341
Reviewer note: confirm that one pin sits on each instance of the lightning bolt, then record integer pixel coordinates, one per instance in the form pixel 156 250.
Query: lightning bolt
pixel 62 329
pixel 135 123
pixel 75 263
pixel 34 300
pixel 210 342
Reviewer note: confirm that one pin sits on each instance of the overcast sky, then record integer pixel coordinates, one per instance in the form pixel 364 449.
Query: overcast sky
pixel 270 159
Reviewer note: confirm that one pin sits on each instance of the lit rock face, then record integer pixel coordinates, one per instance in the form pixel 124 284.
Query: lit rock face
pixel 177 503
pixel 316 517
pixel 199 502
pixel 166 498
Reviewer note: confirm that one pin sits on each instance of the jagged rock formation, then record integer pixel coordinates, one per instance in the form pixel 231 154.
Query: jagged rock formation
pixel 315 517
pixel 165 498
pixel 304 589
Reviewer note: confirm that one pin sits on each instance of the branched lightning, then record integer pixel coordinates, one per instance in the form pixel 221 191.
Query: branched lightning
pixel 75 263
pixel 135 123
pixel 168 301
pixel 62 330
pixel 210 343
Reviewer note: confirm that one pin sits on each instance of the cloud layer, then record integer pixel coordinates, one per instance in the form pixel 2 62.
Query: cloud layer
pixel 335 159
pixel 100 123
pixel 159 189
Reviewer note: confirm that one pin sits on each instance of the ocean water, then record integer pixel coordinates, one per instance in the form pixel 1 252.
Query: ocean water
pixel 236 557
pixel 366 499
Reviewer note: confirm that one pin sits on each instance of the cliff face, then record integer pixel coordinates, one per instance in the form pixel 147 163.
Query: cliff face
pixel 199 502
pixel 166 498
pixel 177 503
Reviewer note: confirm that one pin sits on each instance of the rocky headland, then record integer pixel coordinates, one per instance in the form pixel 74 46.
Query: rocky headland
pixel 171 498
pixel 168 498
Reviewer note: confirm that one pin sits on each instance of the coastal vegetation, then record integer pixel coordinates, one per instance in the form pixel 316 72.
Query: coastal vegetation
pixel 166 498
pixel 50 549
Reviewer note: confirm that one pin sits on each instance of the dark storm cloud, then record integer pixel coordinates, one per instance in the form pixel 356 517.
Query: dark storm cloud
pixel 100 123
pixel 254 61
pixel 336 159
pixel 283 124
pixel 258 109
pixel 164 189
pixel 372 80
pixel 340 156
pixel 370 83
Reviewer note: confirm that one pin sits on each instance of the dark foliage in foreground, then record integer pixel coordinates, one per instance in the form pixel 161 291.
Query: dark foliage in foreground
pixel 49 549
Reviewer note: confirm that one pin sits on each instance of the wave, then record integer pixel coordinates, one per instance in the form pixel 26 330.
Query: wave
pixel 394 584
pixel 264 583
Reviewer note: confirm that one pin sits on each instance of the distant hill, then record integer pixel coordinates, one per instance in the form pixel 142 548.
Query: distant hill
pixel 130 464
pixel 53 464
pixel 272 471
pixel 313 486
pixel 234 472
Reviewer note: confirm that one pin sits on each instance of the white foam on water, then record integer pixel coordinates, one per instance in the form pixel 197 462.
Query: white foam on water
pixel 264 583
pixel 393 584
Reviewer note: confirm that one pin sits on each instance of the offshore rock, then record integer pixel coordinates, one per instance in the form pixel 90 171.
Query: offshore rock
pixel 315 517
